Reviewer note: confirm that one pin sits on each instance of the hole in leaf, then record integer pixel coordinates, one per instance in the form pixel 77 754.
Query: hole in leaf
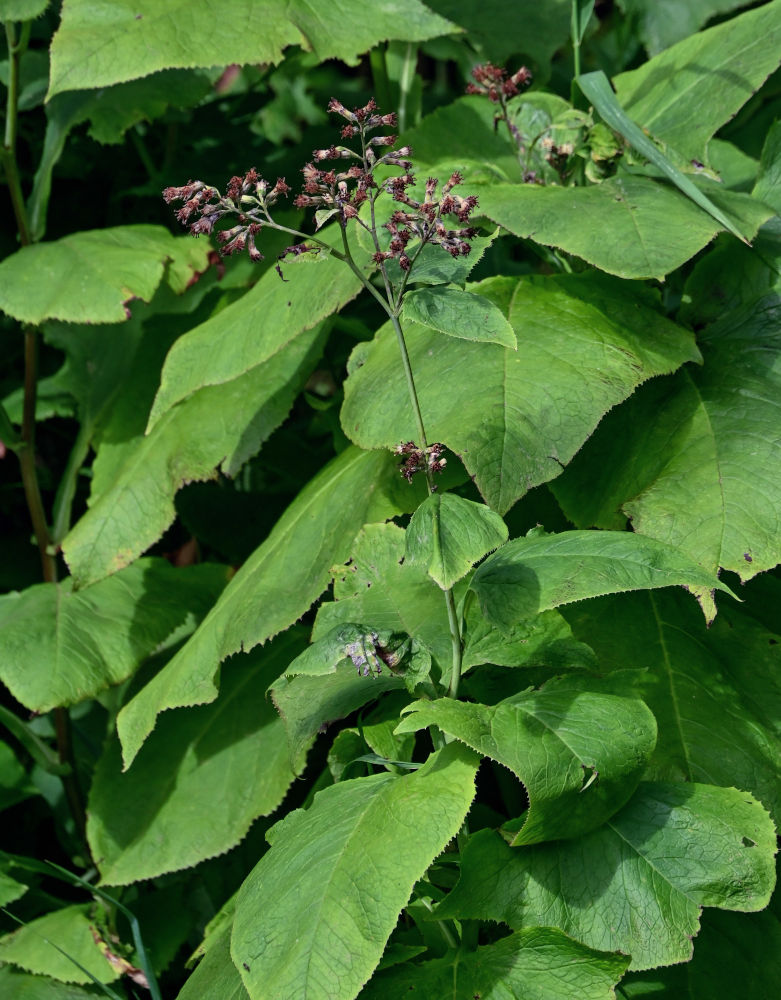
pixel 747 842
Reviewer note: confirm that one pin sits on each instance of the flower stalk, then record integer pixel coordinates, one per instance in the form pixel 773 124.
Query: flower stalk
pixel 348 193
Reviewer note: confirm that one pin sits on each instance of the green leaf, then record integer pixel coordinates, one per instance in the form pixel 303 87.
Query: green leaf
pixel 308 703
pixel 695 460
pixel 686 93
pixel 529 575
pixel 32 947
pixel 637 884
pixel 520 415
pixel 274 587
pixel 580 754
pixel 23 986
pixel 631 226
pixel 383 590
pixel 215 977
pixel 187 444
pixel 499 30
pixel 459 314
pixel 661 23
pixel 251 331
pixel 597 89
pixel 10 889
pixel 768 185
pixel 734 954
pixel 15 786
pixel 98 46
pixel 225 765
pixel 581 15
pixel 22 10
pixel 545 640
pixel 110 111
pixel 536 963
pixel 90 277
pixel 59 646
pixel 448 535
pixel 313 917
pixel 715 692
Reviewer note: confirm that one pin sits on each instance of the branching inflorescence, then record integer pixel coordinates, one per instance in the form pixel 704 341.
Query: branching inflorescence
pixel 339 194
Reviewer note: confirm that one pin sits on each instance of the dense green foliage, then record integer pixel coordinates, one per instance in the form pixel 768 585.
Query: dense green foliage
pixel 390 607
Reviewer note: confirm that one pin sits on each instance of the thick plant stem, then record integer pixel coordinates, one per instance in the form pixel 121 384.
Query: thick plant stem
pixel 26 445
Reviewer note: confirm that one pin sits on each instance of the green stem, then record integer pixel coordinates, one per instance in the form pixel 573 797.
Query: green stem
pixel 32 743
pixel 16 48
pixel 449 939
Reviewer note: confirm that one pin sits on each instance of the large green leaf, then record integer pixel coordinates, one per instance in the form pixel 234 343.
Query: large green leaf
pixel 274 587
pixel 90 277
pixel 695 460
pixel 251 331
pixel 313 917
pixel 715 692
pixel 580 754
pixel 32 947
pixel 536 963
pixel 533 574
pixel 516 417
pixel 100 45
pixel 59 646
pixel 225 765
pixel 686 93
pixel 638 883
pixel 188 444
pixel 631 226
pixel 21 10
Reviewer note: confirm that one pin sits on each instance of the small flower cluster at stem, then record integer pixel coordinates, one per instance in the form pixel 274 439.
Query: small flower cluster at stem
pixel 338 192
pixel 496 85
pixel 418 460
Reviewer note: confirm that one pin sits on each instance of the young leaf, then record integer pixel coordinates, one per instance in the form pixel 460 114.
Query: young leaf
pixel 529 575
pixel 309 703
pixel 59 646
pixel 384 590
pixel 435 267
pixel 676 458
pixel 597 89
pixel 536 963
pixel 274 587
pixel 313 917
pixel 10 889
pixel 96 47
pixel 459 314
pixel 32 947
pixel 90 277
pixel 638 883
pixel 686 93
pixel 554 740
pixel 715 692
pixel 631 226
pixel 574 332
pixel 448 535
pixel 581 15
pixel 152 820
